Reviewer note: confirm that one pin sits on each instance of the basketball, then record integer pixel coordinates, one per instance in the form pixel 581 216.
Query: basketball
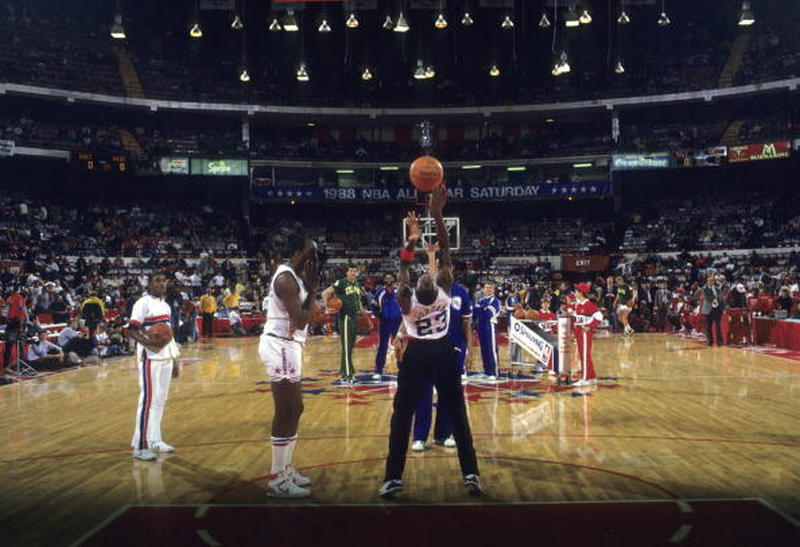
pixel 160 334
pixel 426 173
pixel 335 304
pixel 519 312
pixel 532 315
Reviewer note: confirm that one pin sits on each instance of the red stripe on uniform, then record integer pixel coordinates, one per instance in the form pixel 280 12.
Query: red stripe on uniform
pixel 149 381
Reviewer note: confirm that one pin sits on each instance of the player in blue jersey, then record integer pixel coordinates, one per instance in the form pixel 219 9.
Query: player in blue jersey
pixel 388 312
pixel 460 333
pixel 486 311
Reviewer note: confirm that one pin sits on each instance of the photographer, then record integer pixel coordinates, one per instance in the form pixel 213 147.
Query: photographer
pixel 16 319
pixel 44 354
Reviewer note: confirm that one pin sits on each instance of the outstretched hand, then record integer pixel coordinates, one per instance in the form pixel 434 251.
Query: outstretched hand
pixel 412 225
pixel 438 199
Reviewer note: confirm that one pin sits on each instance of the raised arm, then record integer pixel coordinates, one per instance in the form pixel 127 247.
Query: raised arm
pixel 444 278
pixel 288 291
pixel 406 258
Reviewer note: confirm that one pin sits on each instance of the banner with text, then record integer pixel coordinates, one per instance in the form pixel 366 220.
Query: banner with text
pixel 758 152
pixel 585 263
pixel 628 162
pixel 470 193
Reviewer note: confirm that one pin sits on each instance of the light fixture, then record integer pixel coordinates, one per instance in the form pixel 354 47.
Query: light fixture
pixel 429 72
pixel 311 124
pixel 623 18
pixel 746 17
pixel 549 120
pixel 345 171
pixel 419 72
pixel 619 68
pixel 388 24
pixel 388 168
pixel 196 31
pixel 324 26
pixel 290 23
pixel 275 26
pixel 352 20
pixel 117 30
pixel 585 17
pixel 366 75
pixel 470 167
pixel 561 65
pixel 244 77
pixel 237 23
pixel 507 23
pixel 494 71
pixel 516 169
pixel 466 20
pixel 402 24
pixel 571 19
pixel 441 22
pixel 302 74
pixel 664 20
pixel 544 22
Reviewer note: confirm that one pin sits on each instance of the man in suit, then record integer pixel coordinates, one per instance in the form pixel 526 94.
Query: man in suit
pixel 712 306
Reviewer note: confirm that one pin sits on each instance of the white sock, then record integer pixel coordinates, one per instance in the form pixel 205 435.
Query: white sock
pixel 292 446
pixel 280 454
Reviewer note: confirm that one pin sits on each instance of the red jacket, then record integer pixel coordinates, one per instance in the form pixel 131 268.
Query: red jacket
pixel 16 307
pixel 587 315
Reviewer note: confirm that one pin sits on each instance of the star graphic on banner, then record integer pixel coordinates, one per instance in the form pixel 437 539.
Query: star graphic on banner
pixel 308 193
pixel 583 189
pixel 593 189
pixel 554 191
pixel 563 190
pixel 574 190
pixel 270 193
pixel 280 193
pixel 289 193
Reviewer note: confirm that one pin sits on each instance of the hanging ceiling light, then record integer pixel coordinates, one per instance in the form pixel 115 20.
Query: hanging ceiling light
pixel 352 20
pixel 563 67
pixel 290 23
pixel 441 22
pixel 556 68
pixel 544 22
pixel 275 26
pixel 571 19
pixel 623 18
pixel 746 17
pixel 244 77
pixel 117 30
pixel 429 72
pixel 196 31
pixel 237 23
pixel 388 24
pixel 324 26
pixel 619 68
pixel 466 20
pixel 302 74
pixel 507 23
pixel 402 24
pixel 366 75
pixel 663 20
pixel 585 17
pixel 494 71
pixel 419 72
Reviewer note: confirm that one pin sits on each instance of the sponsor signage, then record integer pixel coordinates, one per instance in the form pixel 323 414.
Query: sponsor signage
pixel 757 152
pixel 627 162
pixel 219 167
pixel 531 341
pixel 406 193
pixel 174 166
pixel 713 156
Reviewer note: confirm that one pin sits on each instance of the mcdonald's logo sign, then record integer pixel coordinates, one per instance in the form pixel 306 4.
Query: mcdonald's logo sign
pixel 757 152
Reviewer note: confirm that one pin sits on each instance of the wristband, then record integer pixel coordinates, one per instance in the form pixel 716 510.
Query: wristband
pixel 406 255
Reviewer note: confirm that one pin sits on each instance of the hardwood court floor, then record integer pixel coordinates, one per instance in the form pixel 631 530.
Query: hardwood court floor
pixel 670 420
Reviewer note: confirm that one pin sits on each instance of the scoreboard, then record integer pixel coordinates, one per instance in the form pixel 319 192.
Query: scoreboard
pixel 101 163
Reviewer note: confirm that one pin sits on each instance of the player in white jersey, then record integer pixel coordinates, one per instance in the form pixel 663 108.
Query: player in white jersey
pixel 428 356
pixel 291 302
pixel 155 369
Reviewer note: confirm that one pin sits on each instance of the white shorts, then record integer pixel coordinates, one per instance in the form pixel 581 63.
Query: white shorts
pixel 282 358
pixel 622 308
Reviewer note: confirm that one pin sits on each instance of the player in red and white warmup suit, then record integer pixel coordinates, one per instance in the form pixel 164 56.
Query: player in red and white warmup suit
pixel 587 317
